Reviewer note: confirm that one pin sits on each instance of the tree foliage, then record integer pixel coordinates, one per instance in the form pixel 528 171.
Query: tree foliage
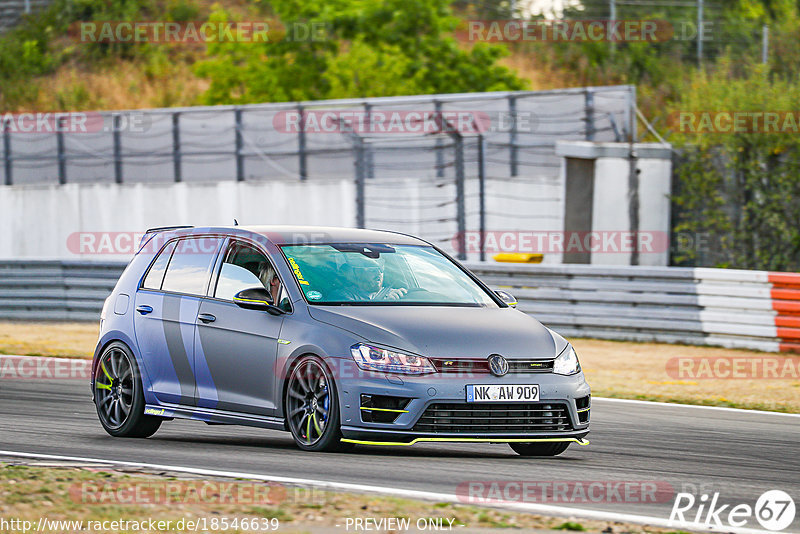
pixel 740 189
pixel 366 48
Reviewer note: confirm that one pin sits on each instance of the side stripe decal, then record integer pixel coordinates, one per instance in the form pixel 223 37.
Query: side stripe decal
pixel 177 349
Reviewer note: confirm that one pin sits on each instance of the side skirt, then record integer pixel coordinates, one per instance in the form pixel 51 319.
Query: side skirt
pixel 209 415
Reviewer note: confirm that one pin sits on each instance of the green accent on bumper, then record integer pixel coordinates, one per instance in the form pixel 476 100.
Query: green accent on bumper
pixel 579 441
pixel 384 410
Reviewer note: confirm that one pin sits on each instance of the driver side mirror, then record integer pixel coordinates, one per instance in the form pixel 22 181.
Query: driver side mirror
pixel 257 298
pixel 506 297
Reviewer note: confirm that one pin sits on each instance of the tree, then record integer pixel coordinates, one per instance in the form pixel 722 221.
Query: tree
pixel 365 48
pixel 740 188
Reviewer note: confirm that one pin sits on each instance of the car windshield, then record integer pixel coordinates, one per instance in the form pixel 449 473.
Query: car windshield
pixel 380 274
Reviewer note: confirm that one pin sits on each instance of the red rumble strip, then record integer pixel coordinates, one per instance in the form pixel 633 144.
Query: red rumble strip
pixel 786 301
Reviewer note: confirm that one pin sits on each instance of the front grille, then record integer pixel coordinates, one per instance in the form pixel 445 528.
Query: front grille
pixel 530 366
pixel 466 366
pixel 481 366
pixel 494 418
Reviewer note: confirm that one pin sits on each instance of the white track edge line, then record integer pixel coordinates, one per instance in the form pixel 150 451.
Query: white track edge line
pixel 699 406
pixel 545 509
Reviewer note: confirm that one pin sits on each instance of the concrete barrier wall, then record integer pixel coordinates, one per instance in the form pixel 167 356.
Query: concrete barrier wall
pixel 738 309
pixel 45 221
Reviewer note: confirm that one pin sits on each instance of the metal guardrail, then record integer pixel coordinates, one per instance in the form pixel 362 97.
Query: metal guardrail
pixel 731 308
pixel 56 290
pixel 722 307
pixel 11 11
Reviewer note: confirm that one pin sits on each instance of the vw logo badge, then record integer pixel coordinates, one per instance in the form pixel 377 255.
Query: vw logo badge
pixel 498 365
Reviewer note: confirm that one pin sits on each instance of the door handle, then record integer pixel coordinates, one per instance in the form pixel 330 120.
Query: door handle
pixel 206 317
pixel 144 310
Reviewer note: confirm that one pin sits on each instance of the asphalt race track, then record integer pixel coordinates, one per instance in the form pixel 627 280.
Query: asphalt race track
pixel 738 454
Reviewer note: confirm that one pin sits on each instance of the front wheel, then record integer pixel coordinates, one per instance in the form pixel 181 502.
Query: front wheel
pixel 540 448
pixel 119 396
pixel 312 407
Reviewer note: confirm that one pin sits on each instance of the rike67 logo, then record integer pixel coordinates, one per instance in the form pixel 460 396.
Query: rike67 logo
pixel 774 510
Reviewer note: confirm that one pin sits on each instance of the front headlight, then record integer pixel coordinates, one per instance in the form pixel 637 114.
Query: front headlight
pixel 372 358
pixel 567 362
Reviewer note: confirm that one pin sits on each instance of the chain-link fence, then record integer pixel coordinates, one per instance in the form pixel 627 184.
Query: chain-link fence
pixel 437 166
pixel 700 30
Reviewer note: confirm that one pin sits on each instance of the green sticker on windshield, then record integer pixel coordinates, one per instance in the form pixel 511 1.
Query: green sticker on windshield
pixel 313 295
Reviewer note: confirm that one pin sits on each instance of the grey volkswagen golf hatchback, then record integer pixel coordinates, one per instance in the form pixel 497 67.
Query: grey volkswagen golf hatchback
pixel 339 336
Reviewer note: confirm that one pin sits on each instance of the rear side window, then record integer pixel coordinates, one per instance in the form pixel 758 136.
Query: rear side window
pixel 155 276
pixel 190 266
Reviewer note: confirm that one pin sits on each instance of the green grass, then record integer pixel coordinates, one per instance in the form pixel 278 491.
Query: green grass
pixel 572 526
pixel 262 511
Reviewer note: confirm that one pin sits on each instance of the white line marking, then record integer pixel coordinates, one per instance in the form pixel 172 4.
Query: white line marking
pixel 76 358
pixel 676 405
pixel 546 509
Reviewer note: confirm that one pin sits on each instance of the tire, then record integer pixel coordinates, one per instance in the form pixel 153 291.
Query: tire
pixel 311 405
pixel 540 448
pixel 119 396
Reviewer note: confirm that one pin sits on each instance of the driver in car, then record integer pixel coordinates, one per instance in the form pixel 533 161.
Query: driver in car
pixel 269 279
pixel 366 281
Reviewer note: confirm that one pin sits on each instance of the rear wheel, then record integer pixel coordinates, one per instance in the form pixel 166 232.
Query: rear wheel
pixel 540 448
pixel 312 407
pixel 119 396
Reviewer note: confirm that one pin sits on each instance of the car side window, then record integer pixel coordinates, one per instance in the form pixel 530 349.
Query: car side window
pixel 244 267
pixel 155 276
pixel 189 268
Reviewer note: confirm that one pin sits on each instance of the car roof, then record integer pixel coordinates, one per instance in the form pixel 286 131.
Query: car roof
pixel 288 235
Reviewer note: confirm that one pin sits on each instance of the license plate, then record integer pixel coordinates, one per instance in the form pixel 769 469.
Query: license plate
pixel 498 393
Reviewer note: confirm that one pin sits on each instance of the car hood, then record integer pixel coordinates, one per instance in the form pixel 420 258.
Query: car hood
pixel 446 332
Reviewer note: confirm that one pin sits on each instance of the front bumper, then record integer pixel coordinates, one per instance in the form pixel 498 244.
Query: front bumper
pixel 427 390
